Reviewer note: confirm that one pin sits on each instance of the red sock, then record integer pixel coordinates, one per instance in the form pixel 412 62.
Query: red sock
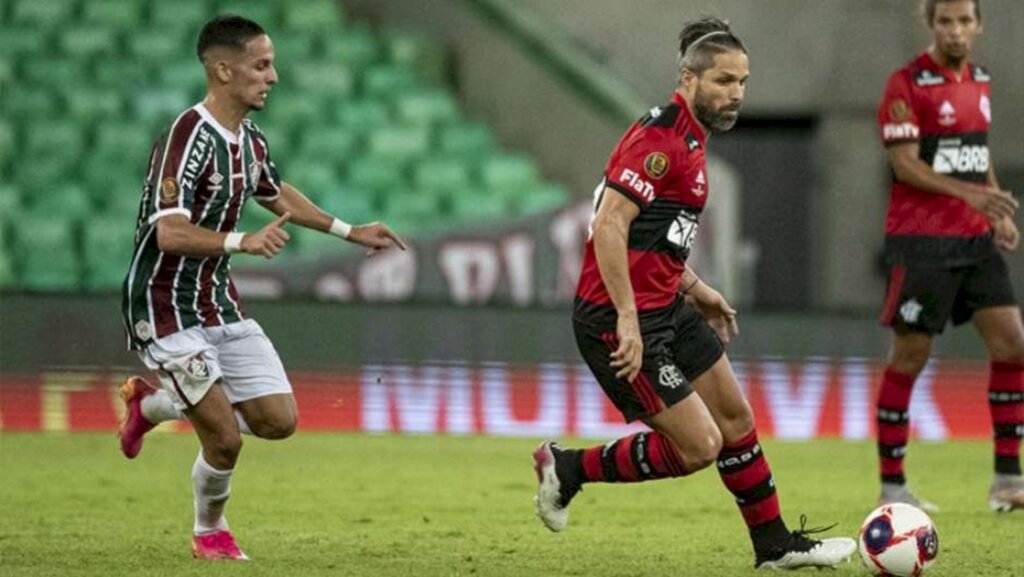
pixel 893 420
pixel 640 457
pixel 746 474
pixel 1006 405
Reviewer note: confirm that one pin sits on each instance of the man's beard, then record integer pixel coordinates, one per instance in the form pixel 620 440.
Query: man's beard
pixel 714 120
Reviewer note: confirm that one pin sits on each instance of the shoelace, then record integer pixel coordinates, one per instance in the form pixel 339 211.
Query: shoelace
pixel 801 535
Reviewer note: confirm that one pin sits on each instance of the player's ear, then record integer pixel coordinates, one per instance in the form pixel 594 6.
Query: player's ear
pixel 687 79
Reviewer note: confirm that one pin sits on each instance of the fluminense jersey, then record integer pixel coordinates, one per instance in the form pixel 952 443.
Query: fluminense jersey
pixel 201 170
pixel 658 164
pixel 949 117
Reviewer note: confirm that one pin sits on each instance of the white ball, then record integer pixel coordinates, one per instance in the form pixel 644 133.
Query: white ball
pixel 898 540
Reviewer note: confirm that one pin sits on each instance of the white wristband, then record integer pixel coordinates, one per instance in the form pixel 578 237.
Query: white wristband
pixel 233 242
pixel 340 228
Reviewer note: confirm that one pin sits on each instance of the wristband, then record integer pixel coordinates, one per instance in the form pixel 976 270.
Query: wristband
pixel 233 242
pixel 340 228
pixel 693 284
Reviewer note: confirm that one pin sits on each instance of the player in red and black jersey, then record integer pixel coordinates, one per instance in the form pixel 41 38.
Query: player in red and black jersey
pixel 181 311
pixel 946 222
pixel 644 321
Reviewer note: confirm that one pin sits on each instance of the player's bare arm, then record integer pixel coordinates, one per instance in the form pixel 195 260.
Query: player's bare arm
pixel 175 234
pixel 375 236
pixel 710 304
pixel 611 235
pixel 1007 236
pixel 910 169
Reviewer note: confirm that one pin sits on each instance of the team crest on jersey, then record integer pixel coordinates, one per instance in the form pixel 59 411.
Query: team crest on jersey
pixel 656 165
pixel 197 367
pixel 898 110
pixel 986 108
pixel 169 190
pixel 669 376
pixel 143 330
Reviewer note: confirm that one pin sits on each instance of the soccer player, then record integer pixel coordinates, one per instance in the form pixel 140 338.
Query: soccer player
pixel 651 331
pixel 181 309
pixel 946 222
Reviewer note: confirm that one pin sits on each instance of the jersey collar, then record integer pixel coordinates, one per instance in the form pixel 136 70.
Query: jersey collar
pixel 220 128
pixel 690 119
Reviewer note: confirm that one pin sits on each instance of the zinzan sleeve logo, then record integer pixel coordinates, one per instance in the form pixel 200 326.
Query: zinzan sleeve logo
pixel 169 190
pixel 656 165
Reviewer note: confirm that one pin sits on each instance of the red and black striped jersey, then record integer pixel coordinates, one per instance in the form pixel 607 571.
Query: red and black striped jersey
pixel 201 170
pixel 659 165
pixel 949 117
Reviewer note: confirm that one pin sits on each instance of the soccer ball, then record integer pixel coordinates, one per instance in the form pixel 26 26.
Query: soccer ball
pixel 898 540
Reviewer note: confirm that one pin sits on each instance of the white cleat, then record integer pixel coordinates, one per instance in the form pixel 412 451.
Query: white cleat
pixel 1006 493
pixel 825 553
pixel 553 496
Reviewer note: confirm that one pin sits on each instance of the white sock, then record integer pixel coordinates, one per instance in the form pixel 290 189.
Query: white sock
pixel 159 407
pixel 243 427
pixel 212 489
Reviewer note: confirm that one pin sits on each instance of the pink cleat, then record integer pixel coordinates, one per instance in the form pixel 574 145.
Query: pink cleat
pixel 217 545
pixel 134 426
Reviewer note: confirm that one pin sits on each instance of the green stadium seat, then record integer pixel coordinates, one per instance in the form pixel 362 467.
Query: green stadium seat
pixel 282 147
pixel 45 252
pixel 89 103
pixel 320 77
pixel 22 41
pixel 107 245
pixel 375 175
pixel 67 200
pixel 256 10
pixel 161 106
pixel 186 75
pixel 51 72
pixel 351 205
pixel 161 46
pixel 87 42
pixel 10 202
pixel 402 143
pixel 28 103
pixel 293 108
pixel 35 174
pixel 185 15
pixel 361 116
pixel 411 206
pixel 417 53
pixel 314 179
pixel 508 174
pixel 120 74
pixel 467 140
pixel 437 175
pixel 292 49
pixel 471 206
pixel 60 141
pixel 331 145
pixel 427 107
pixel 354 46
pixel 6 144
pixel 309 15
pixel 114 14
pixel 541 198
pixel 44 13
pixel 387 82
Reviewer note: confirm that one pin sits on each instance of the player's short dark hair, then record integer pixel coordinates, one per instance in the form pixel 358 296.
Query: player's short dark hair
pixel 928 7
pixel 701 39
pixel 227 30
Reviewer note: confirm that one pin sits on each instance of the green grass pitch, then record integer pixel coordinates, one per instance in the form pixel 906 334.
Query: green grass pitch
pixel 339 504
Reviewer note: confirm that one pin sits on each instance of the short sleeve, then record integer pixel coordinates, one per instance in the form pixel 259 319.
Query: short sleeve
pixel 268 188
pixel 639 169
pixel 897 119
pixel 183 158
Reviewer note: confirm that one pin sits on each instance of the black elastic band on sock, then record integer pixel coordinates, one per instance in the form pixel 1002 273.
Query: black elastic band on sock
pixel 737 461
pixel 1008 431
pixel 608 467
pixel 1005 397
pixel 757 493
pixel 892 416
pixel 892 451
pixel 1008 465
pixel 638 452
pixel 897 479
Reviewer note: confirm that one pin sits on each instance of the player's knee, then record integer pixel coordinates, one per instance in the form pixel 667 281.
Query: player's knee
pixel 274 429
pixel 224 449
pixel 701 454
pixel 1008 349
pixel 910 360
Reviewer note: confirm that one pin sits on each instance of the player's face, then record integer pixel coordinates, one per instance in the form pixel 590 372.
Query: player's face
pixel 253 73
pixel 954 27
pixel 719 91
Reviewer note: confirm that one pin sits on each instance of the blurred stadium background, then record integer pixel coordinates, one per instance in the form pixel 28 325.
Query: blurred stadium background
pixel 478 129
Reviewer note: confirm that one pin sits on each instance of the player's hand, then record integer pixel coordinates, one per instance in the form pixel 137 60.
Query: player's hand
pixel 993 203
pixel 269 240
pixel 1007 236
pixel 627 359
pixel 711 305
pixel 376 236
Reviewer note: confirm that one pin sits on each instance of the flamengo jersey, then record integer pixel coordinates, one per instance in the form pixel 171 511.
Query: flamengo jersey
pixel 203 171
pixel 659 165
pixel 949 117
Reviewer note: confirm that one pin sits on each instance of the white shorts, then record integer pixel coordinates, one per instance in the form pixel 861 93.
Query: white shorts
pixel 189 362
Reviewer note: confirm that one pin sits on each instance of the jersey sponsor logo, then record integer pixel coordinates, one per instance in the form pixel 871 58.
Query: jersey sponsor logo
pixel 947 114
pixel 644 188
pixel 196 156
pixel 656 165
pixel 683 230
pixel 954 157
pixel 899 111
pixel 670 376
pixel 169 190
pixel 742 459
pixel 143 330
pixel 911 311
pixel 926 77
pixel 980 75
pixel 986 108
pixel 215 179
pixel 692 143
pixel 901 131
pixel 699 190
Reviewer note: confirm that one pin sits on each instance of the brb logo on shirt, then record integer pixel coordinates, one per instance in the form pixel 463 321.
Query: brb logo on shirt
pixel 954 157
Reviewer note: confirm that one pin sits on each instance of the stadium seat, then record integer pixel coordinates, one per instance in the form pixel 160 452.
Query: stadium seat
pixel 415 208
pixel 258 10
pixel 43 13
pixel 86 42
pixel 466 140
pixel 403 143
pixel 314 179
pixel 161 46
pixel 115 14
pixel 22 41
pixel 291 49
pixel 26 104
pixel 540 198
pixel 470 206
pixel 431 107
pixel 121 74
pixel 10 201
pixel 184 15
pixel 417 53
pixel 107 244
pixel 375 175
pixel 350 204
pixel 68 200
pixel 61 142
pixel 186 75
pixel 436 175
pixel 354 46
pixel 312 15
pixel 386 82
pixel 6 145
pixel 161 106
pixel 293 108
pixel 505 174
pixel 46 258
pixel 51 72
pixel 328 145
pixel 321 77
pixel 361 116
pixel 88 103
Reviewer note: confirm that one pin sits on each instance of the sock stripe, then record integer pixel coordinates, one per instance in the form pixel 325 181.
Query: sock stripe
pixel 757 493
pixel 892 451
pixel 1005 397
pixel 628 472
pixel 608 463
pixel 892 416
pixel 1008 430
pixel 730 462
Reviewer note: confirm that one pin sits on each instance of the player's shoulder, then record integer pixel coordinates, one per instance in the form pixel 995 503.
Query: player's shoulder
pixel 665 127
pixel 979 73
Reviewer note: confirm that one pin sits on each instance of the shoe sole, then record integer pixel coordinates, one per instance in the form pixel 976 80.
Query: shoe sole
pixel 128 391
pixel 543 457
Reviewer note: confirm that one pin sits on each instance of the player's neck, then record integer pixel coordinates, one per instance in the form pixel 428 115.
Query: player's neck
pixel 224 111
pixel 955 66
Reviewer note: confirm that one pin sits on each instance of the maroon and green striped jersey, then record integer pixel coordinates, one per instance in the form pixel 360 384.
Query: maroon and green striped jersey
pixel 203 171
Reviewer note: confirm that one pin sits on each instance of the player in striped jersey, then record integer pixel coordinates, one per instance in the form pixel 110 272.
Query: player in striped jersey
pixel 181 310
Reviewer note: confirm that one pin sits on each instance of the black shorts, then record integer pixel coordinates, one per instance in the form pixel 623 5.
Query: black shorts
pixel 924 298
pixel 675 354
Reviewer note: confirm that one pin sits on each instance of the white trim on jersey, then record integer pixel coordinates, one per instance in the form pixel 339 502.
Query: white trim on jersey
pixel 227 134
pixel 168 212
